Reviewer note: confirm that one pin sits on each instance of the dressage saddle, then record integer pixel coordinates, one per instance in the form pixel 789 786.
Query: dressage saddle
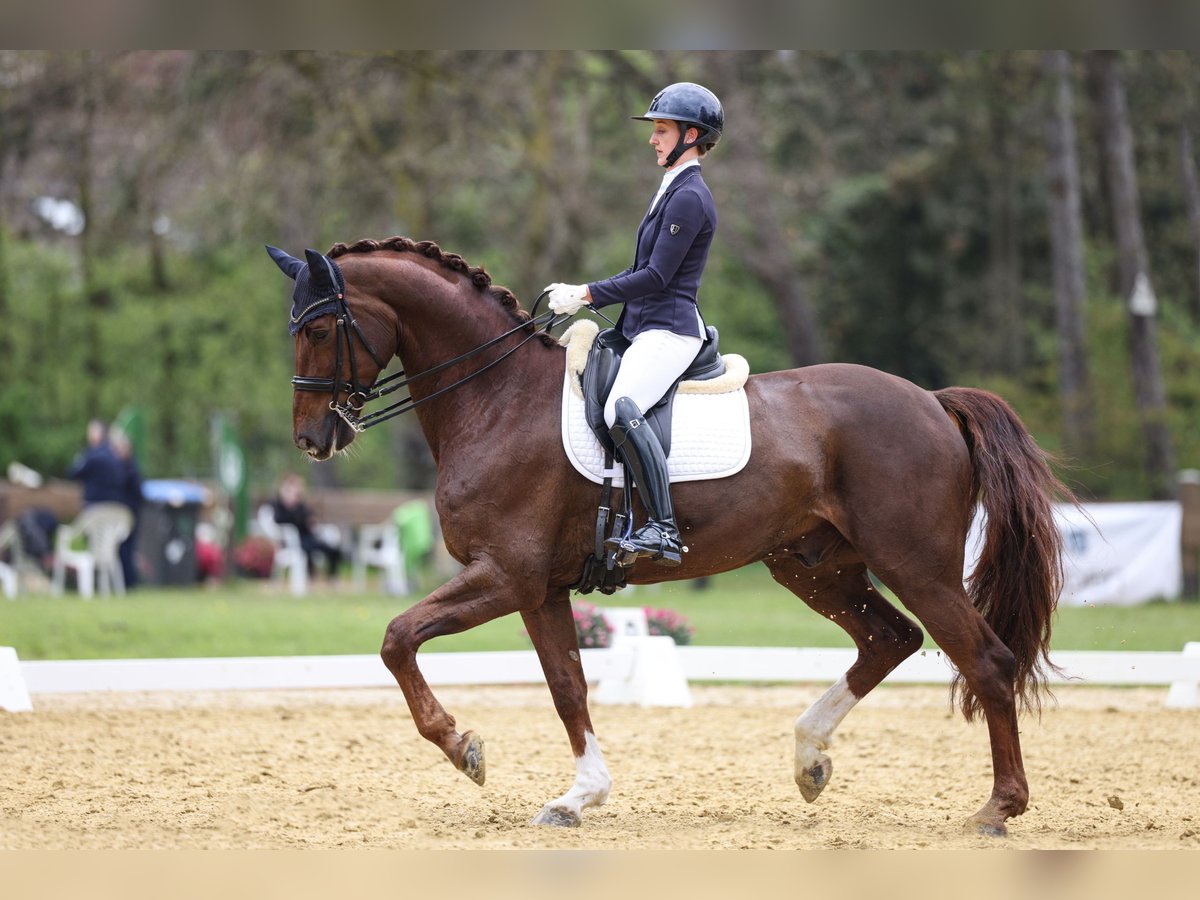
pixel 603 363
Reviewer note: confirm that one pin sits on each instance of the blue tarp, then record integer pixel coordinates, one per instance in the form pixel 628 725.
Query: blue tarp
pixel 173 493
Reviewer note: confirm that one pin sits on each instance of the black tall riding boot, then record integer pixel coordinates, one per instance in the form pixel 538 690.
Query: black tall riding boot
pixel 642 454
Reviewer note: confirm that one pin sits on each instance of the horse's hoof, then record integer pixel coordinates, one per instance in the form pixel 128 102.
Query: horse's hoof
pixel 471 762
pixel 558 817
pixel 987 829
pixel 812 780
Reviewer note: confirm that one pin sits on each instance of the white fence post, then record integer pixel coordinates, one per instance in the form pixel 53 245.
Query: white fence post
pixel 1184 694
pixel 13 694
pixel 655 677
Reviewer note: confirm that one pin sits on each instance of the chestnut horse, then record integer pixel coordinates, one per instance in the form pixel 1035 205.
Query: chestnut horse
pixel 852 470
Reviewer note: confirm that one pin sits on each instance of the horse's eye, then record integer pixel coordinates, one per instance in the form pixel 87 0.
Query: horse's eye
pixel 317 335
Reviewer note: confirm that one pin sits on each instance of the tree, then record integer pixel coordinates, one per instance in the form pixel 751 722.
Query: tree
pixel 15 117
pixel 1066 248
pixel 1133 275
pixel 759 235
pixel 1191 193
pixel 1002 88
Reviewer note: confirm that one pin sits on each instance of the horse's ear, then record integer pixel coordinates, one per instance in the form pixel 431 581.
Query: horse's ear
pixel 289 265
pixel 320 273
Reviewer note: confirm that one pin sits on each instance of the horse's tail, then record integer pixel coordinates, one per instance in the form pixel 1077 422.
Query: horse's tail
pixel 1019 575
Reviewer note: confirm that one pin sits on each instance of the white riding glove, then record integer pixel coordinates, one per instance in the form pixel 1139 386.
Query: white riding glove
pixel 567 298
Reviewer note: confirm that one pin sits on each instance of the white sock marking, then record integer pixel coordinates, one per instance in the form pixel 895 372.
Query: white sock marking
pixel 592 781
pixel 815 728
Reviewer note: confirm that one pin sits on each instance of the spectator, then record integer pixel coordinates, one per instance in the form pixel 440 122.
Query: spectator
pixel 415 524
pixel 291 509
pixel 36 527
pixel 210 561
pixel 97 466
pixel 131 496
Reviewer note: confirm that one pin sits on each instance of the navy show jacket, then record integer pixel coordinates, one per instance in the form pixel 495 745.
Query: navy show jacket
pixel 659 290
pixel 102 473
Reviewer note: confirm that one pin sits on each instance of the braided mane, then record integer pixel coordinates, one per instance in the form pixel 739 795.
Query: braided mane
pixel 478 275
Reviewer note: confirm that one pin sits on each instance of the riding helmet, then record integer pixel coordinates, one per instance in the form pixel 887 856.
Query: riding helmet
pixel 691 104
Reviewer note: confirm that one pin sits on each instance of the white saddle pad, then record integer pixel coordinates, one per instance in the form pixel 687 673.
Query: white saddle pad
pixel 710 423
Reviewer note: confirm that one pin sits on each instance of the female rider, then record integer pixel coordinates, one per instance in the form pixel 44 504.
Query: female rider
pixel 661 316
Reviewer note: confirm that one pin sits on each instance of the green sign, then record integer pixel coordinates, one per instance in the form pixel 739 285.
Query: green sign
pixel 230 464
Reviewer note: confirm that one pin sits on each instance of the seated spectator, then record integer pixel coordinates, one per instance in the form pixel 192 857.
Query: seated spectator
pixel 291 509
pixel 36 527
pixel 210 561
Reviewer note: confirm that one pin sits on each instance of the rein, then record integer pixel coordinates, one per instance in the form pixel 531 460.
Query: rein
pixel 358 395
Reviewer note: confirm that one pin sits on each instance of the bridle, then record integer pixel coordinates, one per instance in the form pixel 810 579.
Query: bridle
pixel 358 394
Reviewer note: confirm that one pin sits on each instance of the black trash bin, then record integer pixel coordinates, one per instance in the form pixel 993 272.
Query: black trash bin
pixel 166 538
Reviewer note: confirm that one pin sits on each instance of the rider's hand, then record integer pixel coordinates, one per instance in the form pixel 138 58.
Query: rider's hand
pixel 567 298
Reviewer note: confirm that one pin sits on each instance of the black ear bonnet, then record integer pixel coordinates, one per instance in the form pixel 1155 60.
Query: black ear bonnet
pixel 319 284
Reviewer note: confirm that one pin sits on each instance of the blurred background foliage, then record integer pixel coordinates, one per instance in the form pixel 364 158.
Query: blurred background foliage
pixel 888 209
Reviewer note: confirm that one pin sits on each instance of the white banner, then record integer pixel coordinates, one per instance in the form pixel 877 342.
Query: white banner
pixel 1126 554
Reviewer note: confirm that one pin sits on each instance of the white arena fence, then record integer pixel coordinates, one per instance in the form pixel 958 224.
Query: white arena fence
pixel 639 669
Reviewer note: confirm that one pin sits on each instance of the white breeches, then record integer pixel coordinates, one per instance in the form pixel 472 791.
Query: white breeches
pixel 650 366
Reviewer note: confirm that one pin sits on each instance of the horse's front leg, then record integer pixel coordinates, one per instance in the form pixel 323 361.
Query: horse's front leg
pixel 552 629
pixel 478 594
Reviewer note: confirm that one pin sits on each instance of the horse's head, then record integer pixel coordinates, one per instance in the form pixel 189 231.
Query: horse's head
pixel 340 351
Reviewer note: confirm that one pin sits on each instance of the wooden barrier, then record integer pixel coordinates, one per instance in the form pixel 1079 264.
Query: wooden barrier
pixel 63 498
pixel 334 506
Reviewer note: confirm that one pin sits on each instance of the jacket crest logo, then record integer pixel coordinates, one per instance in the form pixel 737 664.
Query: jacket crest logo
pixel 674 229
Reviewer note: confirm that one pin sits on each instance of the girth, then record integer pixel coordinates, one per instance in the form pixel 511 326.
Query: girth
pixel 603 363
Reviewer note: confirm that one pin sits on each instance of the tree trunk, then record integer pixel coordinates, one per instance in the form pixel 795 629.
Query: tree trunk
pixel 557 156
pixel 6 354
pixel 97 300
pixel 1097 199
pixel 159 276
pixel 1066 250
pixel 760 241
pixel 1191 195
pixel 1004 258
pixel 6 357
pixel 1133 273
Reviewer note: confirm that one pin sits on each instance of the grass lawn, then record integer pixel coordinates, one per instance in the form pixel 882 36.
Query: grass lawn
pixel 744 608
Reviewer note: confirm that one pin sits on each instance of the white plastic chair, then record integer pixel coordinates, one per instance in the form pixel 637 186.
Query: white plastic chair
pixel 10 538
pixel 289 554
pixel 103 528
pixel 379 546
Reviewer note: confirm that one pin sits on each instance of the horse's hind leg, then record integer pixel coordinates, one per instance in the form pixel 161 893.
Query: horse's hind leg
pixel 884 636
pixel 989 669
pixel 552 629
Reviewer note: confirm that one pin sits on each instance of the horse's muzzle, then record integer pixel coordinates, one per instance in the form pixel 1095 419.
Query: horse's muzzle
pixel 325 438
pixel 311 447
